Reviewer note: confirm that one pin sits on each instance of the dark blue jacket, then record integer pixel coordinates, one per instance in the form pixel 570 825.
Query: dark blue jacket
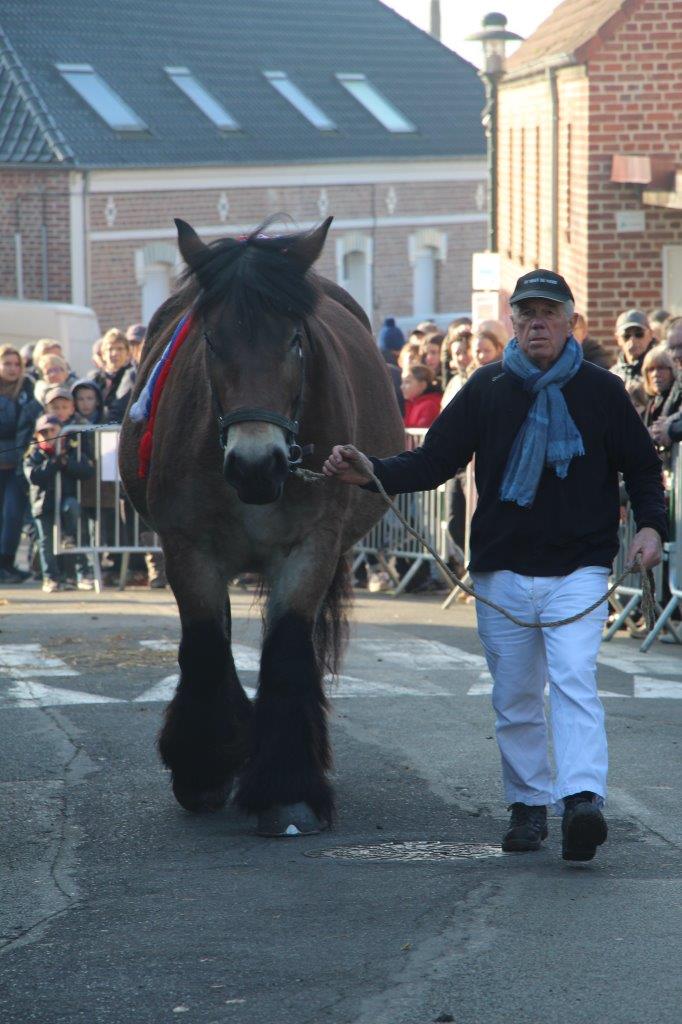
pixel 41 469
pixel 17 422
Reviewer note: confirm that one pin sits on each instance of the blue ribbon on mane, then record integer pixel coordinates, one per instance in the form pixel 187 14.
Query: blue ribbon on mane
pixel 548 435
pixel 141 409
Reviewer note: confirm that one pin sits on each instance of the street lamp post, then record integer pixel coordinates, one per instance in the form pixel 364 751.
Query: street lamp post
pixel 494 37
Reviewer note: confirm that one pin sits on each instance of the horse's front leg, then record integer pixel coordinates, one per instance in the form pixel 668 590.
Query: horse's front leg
pixel 285 778
pixel 205 735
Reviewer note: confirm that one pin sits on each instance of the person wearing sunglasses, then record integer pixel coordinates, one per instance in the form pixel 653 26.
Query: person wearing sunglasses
pixel 634 339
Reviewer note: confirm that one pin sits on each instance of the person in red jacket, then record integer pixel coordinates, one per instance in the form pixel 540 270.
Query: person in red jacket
pixel 422 397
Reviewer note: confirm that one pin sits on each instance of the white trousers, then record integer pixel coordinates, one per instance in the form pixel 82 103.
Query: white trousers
pixel 522 661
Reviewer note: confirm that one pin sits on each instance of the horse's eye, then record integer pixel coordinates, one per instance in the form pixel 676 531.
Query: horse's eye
pixel 296 340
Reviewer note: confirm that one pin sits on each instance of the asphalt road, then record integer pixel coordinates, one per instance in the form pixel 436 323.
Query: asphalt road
pixel 119 907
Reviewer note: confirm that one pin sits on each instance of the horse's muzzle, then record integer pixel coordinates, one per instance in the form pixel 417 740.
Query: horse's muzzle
pixel 257 481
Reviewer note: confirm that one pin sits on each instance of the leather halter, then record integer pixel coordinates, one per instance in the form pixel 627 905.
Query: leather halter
pixel 254 414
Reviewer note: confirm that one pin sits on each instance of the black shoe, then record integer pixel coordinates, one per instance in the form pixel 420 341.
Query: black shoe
pixel 9 576
pixel 583 827
pixel 527 828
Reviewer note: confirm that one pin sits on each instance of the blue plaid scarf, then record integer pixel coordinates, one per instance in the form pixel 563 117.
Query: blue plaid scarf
pixel 549 436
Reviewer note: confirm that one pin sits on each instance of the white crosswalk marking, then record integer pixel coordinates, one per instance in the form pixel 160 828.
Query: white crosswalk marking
pixel 419 655
pixel 408 659
pixel 27 694
pixel 23 661
pixel 246 659
pixel 647 687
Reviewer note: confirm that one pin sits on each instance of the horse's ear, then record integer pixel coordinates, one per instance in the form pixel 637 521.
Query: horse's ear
pixel 308 247
pixel 191 247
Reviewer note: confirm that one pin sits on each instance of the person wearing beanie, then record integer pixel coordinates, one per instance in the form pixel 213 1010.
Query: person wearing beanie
pixel 391 338
pixel 88 402
pixel 135 336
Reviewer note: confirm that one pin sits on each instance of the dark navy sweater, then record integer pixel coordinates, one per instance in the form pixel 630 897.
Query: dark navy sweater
pixel 573 522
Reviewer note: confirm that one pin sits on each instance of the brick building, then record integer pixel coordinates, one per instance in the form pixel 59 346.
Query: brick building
pixel 115 118
pixel 590 136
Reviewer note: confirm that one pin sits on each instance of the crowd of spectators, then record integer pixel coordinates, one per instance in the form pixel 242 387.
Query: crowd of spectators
pixel 428 368
pixel 40 395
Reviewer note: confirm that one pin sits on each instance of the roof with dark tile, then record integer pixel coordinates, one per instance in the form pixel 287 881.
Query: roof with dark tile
pixel 570 27
pixel 28 134
pixel 227 44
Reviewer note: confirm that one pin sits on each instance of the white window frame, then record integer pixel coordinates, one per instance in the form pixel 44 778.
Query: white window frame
pixel 77 76
pixel 375 103
pixel 202 99
pixel 301 102
pixel 668 297
pixel 356 241
pixel 151 256
pixel 418 243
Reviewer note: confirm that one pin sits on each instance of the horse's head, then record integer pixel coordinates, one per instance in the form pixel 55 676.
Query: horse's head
pixel 254 295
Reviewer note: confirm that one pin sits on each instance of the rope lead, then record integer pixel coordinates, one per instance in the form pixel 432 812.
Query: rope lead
pixel 648 602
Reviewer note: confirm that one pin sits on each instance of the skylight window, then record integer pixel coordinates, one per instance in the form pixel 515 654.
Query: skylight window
pixel 377 105
pixel 101 97
pixel 214 111
pixel 298 99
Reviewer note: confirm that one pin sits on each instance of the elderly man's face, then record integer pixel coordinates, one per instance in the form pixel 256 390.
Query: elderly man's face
pixel 673 343
pixel 634 341
pixel 542 328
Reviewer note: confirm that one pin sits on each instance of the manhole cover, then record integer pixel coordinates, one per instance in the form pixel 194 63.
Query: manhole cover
pixel 414 851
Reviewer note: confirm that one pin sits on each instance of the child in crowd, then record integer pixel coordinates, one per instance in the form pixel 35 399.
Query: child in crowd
pixel 87 399
pixel 422 397
pixel 47 459
pixel 59 403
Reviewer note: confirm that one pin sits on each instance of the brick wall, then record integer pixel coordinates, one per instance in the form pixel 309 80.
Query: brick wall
pixel 115 292
pixel 525 179
pixel 35 204
pixel 626 99
pixel 635 108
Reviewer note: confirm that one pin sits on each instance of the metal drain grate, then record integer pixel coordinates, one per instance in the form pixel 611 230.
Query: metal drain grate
pixel 413 851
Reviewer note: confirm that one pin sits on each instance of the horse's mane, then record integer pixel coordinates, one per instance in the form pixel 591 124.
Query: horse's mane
pixel 255 275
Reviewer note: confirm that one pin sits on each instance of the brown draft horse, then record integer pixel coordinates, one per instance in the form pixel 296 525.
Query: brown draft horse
pixel 278 358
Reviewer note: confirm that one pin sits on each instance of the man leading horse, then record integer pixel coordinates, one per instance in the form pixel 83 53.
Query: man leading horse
pixel 550 433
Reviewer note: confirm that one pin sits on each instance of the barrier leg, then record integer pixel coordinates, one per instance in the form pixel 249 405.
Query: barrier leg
pixel 125 558
pixel 97 571
pixel 408 576
pixel 625 613
pixel 660 623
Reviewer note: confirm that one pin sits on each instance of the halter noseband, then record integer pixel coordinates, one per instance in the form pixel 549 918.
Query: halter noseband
pixel 248 414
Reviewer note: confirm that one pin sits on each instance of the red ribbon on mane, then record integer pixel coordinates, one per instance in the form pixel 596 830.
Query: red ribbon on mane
pixel 144 452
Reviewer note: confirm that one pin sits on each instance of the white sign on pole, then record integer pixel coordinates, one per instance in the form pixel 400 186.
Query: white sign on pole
pixel 485 271
pixel 109 455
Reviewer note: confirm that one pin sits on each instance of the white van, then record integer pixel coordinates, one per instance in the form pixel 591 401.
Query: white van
pixel 24 321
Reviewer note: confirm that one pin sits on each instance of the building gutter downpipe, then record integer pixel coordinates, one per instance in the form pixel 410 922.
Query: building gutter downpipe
pixel 554 165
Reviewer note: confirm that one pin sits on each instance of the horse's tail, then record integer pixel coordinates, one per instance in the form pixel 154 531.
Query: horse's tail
pixel 331 629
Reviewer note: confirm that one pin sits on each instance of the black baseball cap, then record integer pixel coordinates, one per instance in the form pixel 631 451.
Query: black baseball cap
pixel 541 284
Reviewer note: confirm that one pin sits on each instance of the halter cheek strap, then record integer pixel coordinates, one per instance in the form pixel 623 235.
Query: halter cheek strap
pixel 248 414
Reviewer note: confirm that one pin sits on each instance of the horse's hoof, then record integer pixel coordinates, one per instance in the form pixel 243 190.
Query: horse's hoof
pixel 201 801
pixel 289 820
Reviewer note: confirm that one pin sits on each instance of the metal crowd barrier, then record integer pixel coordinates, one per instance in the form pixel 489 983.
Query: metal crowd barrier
pixel 673 551
pixel 388 540
pixel 107 523
pixel 626 600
